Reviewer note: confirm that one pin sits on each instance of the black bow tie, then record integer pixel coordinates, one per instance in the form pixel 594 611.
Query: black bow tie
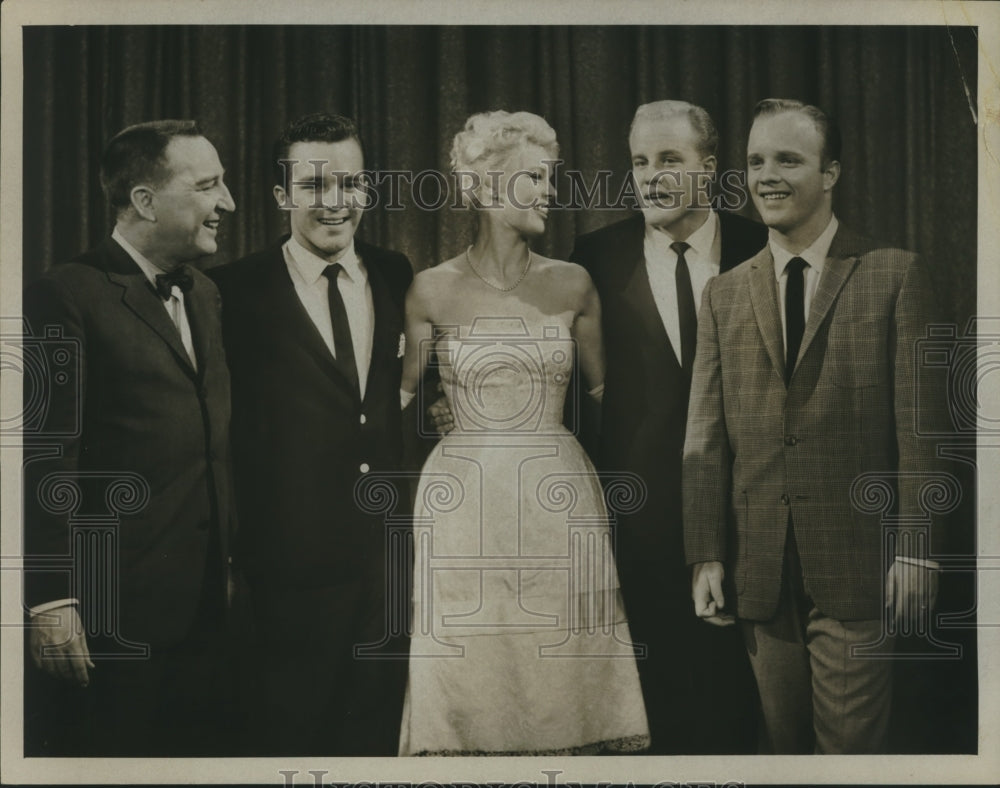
pixel 179 277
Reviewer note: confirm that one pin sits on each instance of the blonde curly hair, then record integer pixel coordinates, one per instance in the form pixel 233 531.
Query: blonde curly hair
pixel 490 139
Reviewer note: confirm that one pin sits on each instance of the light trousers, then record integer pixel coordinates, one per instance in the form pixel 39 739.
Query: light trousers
pixel 816 695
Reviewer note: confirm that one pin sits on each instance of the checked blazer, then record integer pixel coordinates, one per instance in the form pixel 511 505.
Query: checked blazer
pixel 759 456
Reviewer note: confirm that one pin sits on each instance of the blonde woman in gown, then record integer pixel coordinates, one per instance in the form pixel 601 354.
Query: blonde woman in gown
pixel 519 639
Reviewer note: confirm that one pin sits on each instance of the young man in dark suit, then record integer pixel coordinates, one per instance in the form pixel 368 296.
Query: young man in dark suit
pixel 650 270
pixel 132 453
pixel 804 383
pixel 313 334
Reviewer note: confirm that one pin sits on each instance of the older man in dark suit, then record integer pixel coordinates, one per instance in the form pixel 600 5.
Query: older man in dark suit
pixel 313 333
pixel 140 441
pixel 805 381
pixel 650 270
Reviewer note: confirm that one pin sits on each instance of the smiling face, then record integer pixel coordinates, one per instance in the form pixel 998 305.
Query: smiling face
pixel 189 204
pixel 326 197
pixel 791 188
pixel 524 191
pixel 666 162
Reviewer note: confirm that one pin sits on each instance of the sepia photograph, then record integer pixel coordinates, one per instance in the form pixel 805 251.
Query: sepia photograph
pixel 524 393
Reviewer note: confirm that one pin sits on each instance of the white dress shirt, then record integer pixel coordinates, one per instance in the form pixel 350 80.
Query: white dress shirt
pixel 174 305
pixel 815 256
pixel 703 260
pixel 306 270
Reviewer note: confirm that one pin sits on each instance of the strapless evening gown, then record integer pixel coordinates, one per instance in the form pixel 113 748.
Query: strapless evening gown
pixel 520 643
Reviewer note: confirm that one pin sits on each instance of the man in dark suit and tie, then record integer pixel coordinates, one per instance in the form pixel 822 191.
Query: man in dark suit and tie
pixel 805 380
pixel 140 441
pixel 313 333
pixel 650 270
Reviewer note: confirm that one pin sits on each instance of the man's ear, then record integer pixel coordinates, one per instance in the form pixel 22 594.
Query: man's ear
pixel 283 198
pixel 144 202
pixel 710 164
pixel 831 175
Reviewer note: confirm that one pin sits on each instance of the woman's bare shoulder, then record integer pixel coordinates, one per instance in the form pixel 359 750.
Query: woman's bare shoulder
pixel 566 274
pixel 437 279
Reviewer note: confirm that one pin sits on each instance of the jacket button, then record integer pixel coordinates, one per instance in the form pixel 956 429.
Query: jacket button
pixel 364 468
pixel 363 418
pixel 784 499
pixel 791 440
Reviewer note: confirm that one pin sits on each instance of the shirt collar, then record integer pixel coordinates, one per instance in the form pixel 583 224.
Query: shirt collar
pixel 138 257
pixel 815 255
pixel 701 240
pixel 311 266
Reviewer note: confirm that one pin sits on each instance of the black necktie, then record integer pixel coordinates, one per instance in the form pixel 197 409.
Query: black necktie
pixel 179 277
pixel 343 346
pixel 795 313
pixel 686 313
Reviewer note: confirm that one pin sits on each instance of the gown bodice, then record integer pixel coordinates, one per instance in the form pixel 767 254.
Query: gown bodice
pixel 506 375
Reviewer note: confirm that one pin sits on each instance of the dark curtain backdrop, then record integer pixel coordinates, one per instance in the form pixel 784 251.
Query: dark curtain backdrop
pixel 903 96
pixel 905 99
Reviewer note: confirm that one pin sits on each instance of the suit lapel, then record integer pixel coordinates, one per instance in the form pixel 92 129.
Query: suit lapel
pixel 385 337
pixel 638 297
pixel 764 298
pixel 198 304
pixel 840 262
pixel 278 296
pixel 139 297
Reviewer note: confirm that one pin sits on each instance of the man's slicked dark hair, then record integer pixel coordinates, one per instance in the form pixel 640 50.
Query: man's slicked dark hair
pixel 317 127
pixel 825 125
pixel 135 155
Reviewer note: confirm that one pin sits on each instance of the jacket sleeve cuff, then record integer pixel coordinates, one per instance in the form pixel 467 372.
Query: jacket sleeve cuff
pixel 45 607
